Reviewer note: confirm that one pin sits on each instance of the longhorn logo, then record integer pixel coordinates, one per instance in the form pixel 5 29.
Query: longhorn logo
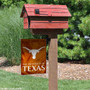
pixel 34 51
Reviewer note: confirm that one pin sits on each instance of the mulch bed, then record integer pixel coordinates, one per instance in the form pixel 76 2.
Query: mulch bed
pixel 65 71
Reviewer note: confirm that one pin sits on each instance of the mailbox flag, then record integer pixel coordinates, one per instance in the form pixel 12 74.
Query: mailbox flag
pixel 33 56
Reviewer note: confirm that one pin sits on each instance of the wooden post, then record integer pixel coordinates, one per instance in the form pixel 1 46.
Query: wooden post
pixel 53 80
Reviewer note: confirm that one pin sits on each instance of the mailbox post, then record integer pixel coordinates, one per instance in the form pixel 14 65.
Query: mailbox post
pixel 47 20
pixel 53 80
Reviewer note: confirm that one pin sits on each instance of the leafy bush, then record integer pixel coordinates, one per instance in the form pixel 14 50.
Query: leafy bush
pixel 85 25
pixel 70 47
pixel 12 3
pixel 85 28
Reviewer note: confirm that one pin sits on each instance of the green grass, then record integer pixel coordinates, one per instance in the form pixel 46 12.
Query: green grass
pixel 11 32
pixel 11 80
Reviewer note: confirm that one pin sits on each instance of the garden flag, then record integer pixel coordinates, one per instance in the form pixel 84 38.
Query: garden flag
pixel 33 56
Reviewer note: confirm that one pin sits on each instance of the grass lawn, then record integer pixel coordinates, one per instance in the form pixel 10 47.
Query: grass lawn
pixel 11 80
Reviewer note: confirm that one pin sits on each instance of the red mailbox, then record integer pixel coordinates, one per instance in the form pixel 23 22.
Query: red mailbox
pixel 47 20
pixel 44 19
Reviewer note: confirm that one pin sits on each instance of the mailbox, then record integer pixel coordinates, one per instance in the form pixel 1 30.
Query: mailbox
pixel 45 19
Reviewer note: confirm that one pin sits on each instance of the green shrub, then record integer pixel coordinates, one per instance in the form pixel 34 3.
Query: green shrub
pixel 70 47
pixel 85 25
pixel 12 3
pixel 85 28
